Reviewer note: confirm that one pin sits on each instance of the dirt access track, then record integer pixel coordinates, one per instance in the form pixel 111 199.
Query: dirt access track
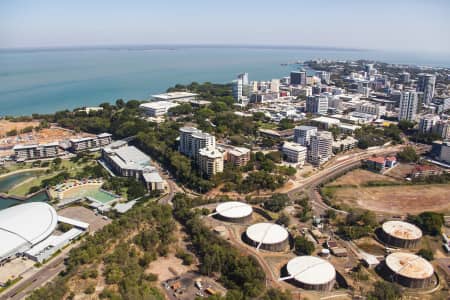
pixel 397 199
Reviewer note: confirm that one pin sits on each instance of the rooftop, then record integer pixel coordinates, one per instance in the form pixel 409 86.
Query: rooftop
pixel 402 230
pixel 311 270
pixel 234 209
pixel 267 233
pixel 409 265
pixel 174 95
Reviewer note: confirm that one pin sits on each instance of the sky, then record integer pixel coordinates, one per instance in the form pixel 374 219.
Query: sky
pixel 406 25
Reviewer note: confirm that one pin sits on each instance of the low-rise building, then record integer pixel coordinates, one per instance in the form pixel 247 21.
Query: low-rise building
pixel 29 152
pixel 157 108
pixel 92 142
pixel 345 144
pixel 440 150
pixel 379 164
pixel 128 161
pixel 326 122
pixel 294 153
pixel 238 156
pixel 175 96
pixel 421 171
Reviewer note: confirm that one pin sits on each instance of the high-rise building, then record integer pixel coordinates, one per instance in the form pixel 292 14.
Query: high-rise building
pixel 442 128
pixel 202 140
pixel 317 104
pixel 425 84
pixel 298 78
pixel 408 106
pixel 210 161
pixel 427 122
pixel 303 134
pixel 324 76
pixel 185 146
pixel 275 85
pixel 404 77
pixel 321 147
pixel 241 88
pixel 295 153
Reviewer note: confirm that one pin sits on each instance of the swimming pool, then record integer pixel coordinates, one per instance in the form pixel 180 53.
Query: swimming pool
pixel 92 192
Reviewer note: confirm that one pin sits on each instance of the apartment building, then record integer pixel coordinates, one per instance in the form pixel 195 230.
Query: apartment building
pixel 210 161
pixel 303 134
pixel 29 152
pixel 320 149
pixel 87 143
pixel 238 156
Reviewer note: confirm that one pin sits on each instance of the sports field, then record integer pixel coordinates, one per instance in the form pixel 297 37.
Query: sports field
pixel 92 191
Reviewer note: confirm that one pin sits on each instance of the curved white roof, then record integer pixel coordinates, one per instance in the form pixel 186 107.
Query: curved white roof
pixel 267 233
pixel 23 226
pixel 402 230
pixel 311 270
pixel 234 209
pixel 409 265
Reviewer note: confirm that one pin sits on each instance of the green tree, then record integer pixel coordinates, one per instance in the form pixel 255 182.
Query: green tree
pixel 303 246
pixel 408 155
pixel 430 222
pixel 383 290
pixel 426 253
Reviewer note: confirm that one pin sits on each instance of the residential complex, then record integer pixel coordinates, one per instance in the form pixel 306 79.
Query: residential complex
pixel 88 143
pixel 426 84
pixel 41 151
pixel 210 161
pixel 317 105
pixel 408 106
pixel 320 149
pixel 238 156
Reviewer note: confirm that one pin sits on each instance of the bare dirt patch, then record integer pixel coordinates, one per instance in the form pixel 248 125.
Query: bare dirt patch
pixel 167 267
pixel 402 199
pixel 360 177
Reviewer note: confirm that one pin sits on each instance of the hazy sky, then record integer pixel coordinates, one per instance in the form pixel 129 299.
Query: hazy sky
pixel 415 25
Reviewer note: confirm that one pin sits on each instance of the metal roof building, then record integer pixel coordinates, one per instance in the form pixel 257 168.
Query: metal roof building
pixel 311 273
pixel 409 270
pixel 234 211
pixel 267 236
pixel 23 226
pixel 400 234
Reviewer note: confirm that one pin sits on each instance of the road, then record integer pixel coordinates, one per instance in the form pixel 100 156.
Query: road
pixel 339 166
pixel 25 286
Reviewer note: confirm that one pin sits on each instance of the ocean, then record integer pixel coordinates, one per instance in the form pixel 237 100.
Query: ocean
pixel 48 80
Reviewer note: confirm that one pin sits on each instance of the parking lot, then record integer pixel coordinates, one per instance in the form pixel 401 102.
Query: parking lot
pixel 84 214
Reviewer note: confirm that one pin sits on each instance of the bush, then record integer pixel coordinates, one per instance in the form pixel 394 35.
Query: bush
pixel 303 246
pixel 426 253
pixel 276 202
pixel 385 291
pixel 90 289
pixel 430 222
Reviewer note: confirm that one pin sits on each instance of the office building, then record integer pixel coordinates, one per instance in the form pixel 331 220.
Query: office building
pixel 317 105
pixel 174 96
pixel 427 122
pixel 294 153
pixel 371 108
pixel 241 88
pixel 129 161
pixel 298 78
pixel 238 156
pixel 303 134
pixel 29 152
pixel 92 142
pixel 344 145
pixel 320 149
pixel 425 84
pixel 408 106
pixel 157 108
pixel 210 161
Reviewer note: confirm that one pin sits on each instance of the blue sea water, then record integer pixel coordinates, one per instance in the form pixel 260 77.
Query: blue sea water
pixel 47 80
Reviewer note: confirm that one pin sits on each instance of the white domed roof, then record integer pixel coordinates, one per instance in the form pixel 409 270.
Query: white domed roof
pixel 234 209
pixel 311 270
pixel 22 226
pixel 267 233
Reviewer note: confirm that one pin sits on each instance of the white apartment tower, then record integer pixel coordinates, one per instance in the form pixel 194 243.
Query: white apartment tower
pixel 426 84
pixel 408 106
pixel 320 149
pixel 427 122
pixel 210 161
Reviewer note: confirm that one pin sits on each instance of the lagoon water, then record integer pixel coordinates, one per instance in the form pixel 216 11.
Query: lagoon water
pixel 47 80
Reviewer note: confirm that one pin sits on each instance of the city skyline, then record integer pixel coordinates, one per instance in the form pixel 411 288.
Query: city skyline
pixel 347 24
